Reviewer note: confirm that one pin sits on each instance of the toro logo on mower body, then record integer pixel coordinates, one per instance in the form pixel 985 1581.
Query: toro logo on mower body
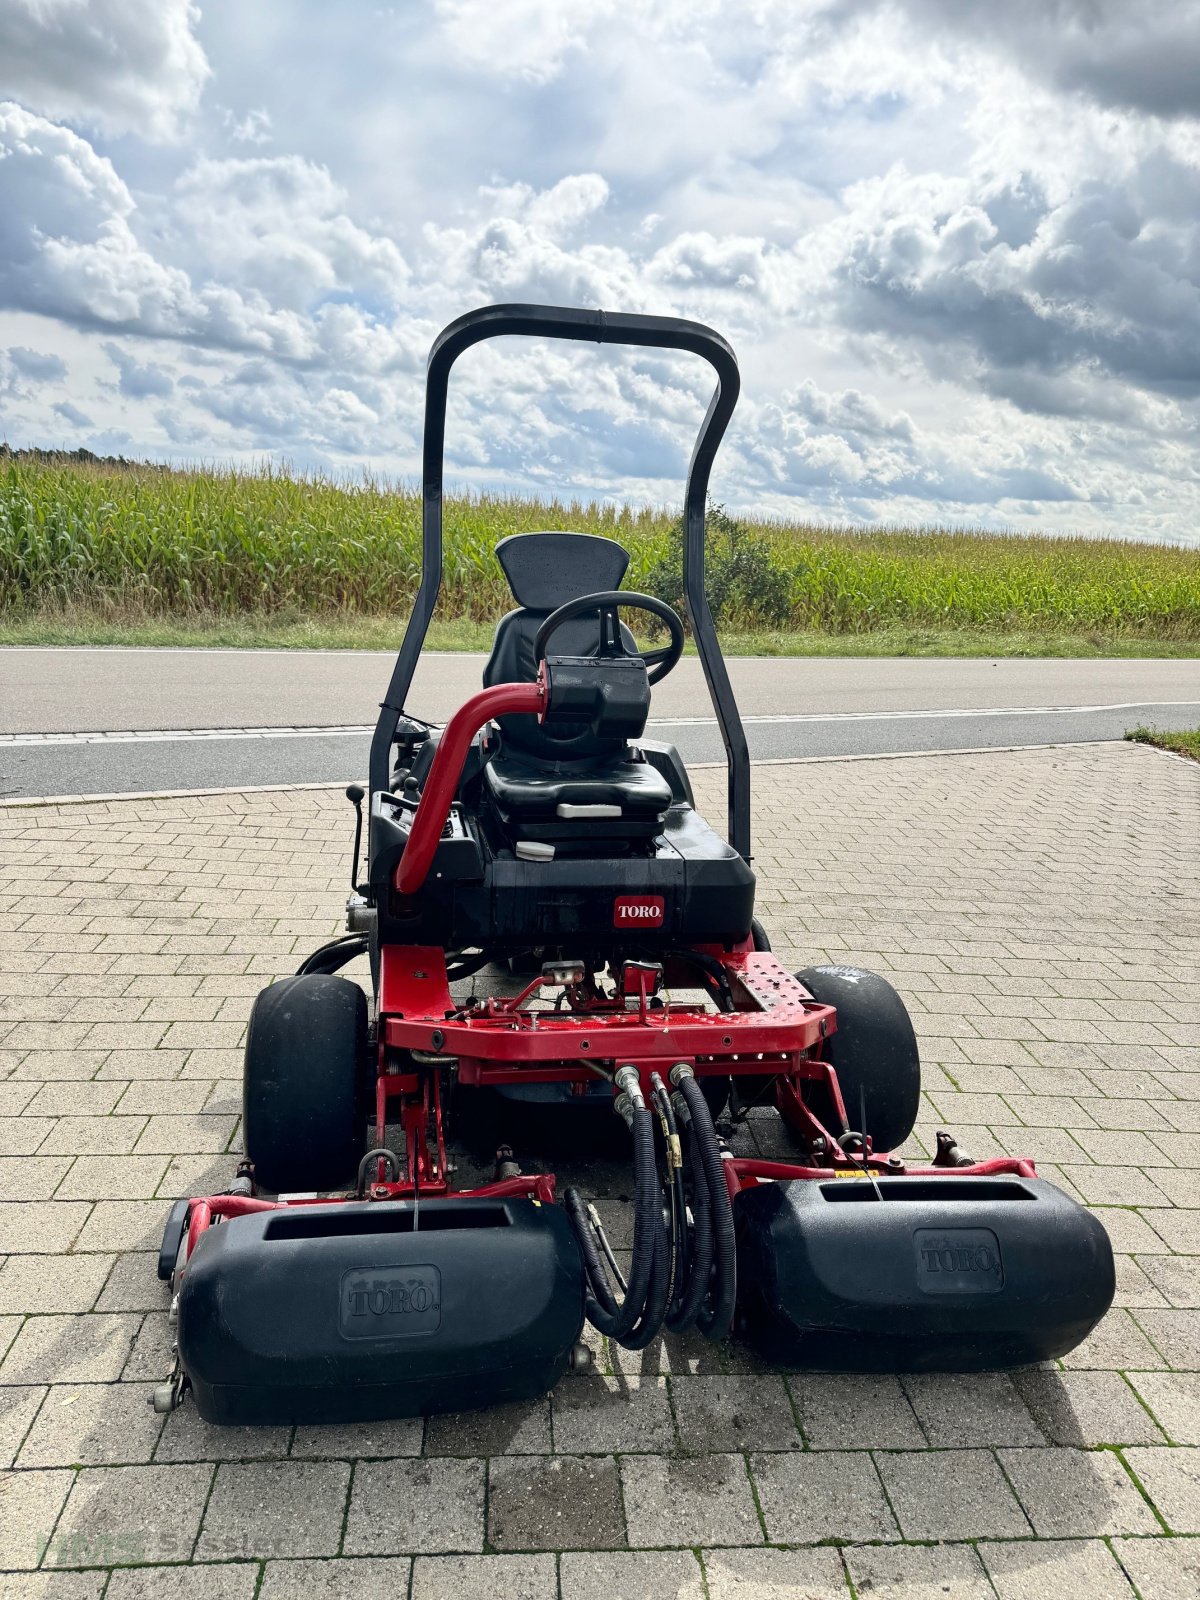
pixel 639 911
pixel 381 1302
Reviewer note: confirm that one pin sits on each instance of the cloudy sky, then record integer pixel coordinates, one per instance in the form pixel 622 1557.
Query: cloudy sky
pixel 956 243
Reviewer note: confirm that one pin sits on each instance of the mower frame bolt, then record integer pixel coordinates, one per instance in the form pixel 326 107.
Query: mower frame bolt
pixel 582 1358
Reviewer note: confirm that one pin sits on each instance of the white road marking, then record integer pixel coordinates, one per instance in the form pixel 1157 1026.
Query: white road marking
pixel 362 730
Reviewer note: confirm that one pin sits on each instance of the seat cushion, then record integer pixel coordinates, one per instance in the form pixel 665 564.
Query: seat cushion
pixel 531 792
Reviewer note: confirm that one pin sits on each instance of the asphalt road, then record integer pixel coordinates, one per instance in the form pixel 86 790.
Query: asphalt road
pixel 78 721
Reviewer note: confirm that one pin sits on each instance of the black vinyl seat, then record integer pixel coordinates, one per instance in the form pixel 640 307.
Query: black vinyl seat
pixel 624 798
pixel 563 783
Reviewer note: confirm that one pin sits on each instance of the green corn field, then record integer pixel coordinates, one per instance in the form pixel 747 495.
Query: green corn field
pixel 163 543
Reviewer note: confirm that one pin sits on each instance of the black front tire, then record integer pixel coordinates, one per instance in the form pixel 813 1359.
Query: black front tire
pixel 306 1084
pixel 874 1053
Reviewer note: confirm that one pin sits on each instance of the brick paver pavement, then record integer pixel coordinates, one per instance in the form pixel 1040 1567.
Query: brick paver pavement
pixel 1039 912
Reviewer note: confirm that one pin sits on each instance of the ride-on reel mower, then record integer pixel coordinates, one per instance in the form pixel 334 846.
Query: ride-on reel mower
pixel 539 831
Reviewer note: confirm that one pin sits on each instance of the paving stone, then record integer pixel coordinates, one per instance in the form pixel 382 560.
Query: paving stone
pixel 21 1136
pixel 64 1349
pixel 1175 1333
pixel 187 1437
pixel 633 1575
pixel 92 1424
pixel 124 1225
pixel 31 1502
pixel 398 1437
pixel 523 1577
pixel 1087 1408
pixel 769 1575
pixel 950 1494
pixel 52 1585
pixel 40 1226
pixel 52 1283
pixel 688 1500
pixel 28 1177
pixel 1129 1231
pixel 424 1507
pixel 1177 1277
pixel 1077 1493
pixel 1031 1571
pixel 364 1578
pixel 1134 1288
pixel 734 1413
pixel 813 1496
pixel 1116 1345
pixel 964 1409
pixel 597 1415
pixel 196 1135
pixel 1172 1480
pixel 75 1099
pixel 18 1407
pixel 1174 1398
pixel 112 1178
pixel 1162 1569
pixel 919 1572
pixel 96 1136
pixel 133 1285
pixel 124 1516
pixel 150 1356
pixel 690 1354
pixel 830 1406
pixel 554 1502
pixel 274 1508
pixel 232 1580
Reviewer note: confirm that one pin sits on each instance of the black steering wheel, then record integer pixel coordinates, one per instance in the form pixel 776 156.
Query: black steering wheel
pixel 658 662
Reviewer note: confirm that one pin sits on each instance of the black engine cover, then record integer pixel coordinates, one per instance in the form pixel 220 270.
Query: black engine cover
pixel 946 1274
pixel 344 1312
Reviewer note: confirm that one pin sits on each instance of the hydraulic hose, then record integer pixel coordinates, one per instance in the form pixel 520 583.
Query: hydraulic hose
pixel 330 957
pixel 619 1322
pixel 674 1149
pixel 715 1320
pixel 691 1292
pixel 650 1324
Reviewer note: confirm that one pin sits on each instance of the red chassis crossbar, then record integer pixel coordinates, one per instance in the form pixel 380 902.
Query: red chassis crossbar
pixel 779 1029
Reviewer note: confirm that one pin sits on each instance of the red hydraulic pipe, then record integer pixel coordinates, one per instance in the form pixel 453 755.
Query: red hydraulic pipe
pixel 446 769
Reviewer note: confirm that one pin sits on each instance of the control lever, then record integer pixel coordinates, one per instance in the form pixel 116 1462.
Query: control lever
pixel 354 793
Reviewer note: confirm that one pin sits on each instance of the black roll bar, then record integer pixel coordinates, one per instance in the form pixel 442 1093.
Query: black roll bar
pixel 561 322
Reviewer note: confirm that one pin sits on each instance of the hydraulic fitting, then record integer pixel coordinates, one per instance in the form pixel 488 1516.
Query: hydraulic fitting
pixel 627 1078
pixel 679 1072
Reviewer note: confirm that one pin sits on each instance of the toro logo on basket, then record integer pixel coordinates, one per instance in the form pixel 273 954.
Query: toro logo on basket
pixel 639 911
pixel 381 1302
pixel 958 1260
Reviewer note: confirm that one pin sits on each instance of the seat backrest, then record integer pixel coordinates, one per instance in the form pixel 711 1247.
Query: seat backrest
pixel 544 571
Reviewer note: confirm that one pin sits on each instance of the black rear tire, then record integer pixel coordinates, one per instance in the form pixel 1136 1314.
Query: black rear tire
pixel 306 1084
pixel 874 1053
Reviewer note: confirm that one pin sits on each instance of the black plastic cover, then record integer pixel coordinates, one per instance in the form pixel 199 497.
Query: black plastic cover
pixel 610 696
pixel 357 1311
pixel 945 1274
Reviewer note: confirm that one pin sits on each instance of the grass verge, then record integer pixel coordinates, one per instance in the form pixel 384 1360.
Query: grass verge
pixel 1181 742
pixel 334 631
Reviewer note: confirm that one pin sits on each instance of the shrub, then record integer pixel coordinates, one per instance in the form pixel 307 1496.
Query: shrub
pixel 743 578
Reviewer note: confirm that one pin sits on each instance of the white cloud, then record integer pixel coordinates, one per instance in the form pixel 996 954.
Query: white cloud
pixel 121 66
pixel 956 246
pixel 529 38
